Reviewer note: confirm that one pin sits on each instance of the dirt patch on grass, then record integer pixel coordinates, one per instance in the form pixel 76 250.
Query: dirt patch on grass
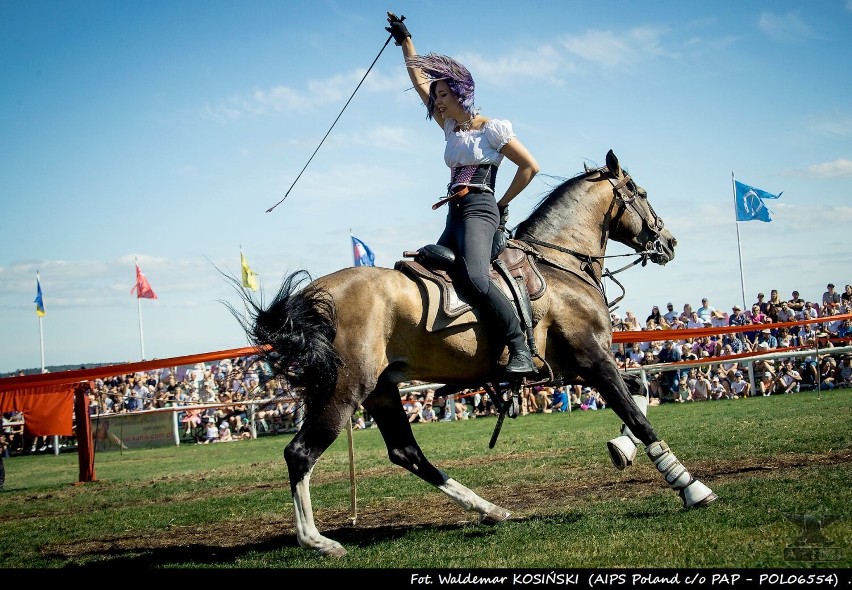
pixel 523 500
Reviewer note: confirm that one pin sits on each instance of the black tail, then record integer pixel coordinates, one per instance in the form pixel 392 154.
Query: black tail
pixel 295 335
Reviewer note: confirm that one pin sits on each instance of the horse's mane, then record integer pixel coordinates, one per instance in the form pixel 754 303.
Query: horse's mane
pixel 543 209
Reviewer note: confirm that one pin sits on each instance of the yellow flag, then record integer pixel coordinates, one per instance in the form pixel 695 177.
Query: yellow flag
pixel 249 276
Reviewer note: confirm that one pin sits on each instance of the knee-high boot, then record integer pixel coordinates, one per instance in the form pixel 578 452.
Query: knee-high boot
pixel 502 312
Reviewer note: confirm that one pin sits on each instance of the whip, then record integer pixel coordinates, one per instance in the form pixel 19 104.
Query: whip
pixel 335 122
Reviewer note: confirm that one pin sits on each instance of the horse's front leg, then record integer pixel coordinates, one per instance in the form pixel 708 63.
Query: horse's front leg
pixel 638 429
pixel 385 407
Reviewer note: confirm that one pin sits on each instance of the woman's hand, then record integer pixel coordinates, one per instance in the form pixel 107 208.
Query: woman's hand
pixel 397 29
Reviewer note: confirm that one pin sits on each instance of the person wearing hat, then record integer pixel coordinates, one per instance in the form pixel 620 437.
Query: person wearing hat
pixel 475 146
pixel 766 384
pixel 739 386
pixel 737 318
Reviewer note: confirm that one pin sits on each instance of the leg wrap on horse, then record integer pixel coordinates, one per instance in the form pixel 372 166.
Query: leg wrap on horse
pixel 692 492
pixel 622 449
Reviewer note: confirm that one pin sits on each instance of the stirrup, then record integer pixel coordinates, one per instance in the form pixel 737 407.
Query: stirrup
pixel 520 363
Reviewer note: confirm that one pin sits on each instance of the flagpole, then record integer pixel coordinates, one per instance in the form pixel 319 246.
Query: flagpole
pixel 40 326
pixel 139 307
pixel 739 246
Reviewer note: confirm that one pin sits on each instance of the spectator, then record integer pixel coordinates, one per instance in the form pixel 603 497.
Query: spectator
pixel 655 316
pixel 761 305
pixel 797 304
pixel 686 314
pixel 671 315
pixel 695 321
pixel 766 384
pixel 4 452
pixel 739 386
pixel 717 390
pixel 844 371
pixel 428 414
pixel 414 411
pixel 788 379
pixel 846 296
pixel 560 401
pixel 830 296
pixel 211 433
pixel 785 313
pixel 705 312
pixel 701 387
pixel 827 377
pixel 588 399
pixel 529 403
pixel 774 305
pixel 225 434
pixel 544 398
pixel 631 321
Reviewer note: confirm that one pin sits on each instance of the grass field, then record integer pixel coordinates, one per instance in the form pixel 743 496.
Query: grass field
pixel 770 460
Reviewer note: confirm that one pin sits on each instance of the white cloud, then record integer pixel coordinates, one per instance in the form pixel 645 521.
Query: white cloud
pixel 840 168
pixel 788 27
pixel 833 125
pixel 610 50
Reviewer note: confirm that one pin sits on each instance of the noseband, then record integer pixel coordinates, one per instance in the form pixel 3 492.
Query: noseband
pixel 625 192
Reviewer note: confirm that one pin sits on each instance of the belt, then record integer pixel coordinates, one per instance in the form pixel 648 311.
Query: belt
pixel 459 194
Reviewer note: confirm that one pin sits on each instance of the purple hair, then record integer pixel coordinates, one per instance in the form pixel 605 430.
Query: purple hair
pixel 440 67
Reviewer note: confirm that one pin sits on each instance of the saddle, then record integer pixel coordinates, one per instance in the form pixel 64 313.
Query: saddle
pixel 514 272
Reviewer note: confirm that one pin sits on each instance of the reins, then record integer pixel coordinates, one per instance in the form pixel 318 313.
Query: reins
pixel 588 260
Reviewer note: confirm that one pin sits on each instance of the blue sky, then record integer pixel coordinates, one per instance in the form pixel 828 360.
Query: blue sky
pixel 163 131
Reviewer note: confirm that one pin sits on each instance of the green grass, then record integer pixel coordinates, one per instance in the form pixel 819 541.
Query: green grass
pixel 229 505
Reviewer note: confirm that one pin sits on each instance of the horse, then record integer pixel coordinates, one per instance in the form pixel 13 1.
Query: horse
pixel 351 337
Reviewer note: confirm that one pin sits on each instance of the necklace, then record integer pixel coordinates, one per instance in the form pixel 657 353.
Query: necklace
pixel 467 124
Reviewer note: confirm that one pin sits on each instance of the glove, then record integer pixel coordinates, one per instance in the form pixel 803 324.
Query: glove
pixel 498 244
pixel 504 217
pixel 397 28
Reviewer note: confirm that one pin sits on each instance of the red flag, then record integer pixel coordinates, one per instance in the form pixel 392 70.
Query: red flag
pixel 142 288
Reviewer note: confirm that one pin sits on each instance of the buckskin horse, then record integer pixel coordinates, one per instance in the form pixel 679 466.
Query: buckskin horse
pixel 351 337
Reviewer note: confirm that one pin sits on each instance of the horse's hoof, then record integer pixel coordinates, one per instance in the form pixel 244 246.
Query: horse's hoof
pixel 622 452
pixel 697 495
pixel 335 550
pixel 494 516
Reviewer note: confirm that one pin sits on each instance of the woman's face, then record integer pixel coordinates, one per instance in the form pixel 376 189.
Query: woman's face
pixel 446 102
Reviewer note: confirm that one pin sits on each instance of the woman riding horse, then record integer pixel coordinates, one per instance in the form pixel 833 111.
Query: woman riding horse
pixel 476 145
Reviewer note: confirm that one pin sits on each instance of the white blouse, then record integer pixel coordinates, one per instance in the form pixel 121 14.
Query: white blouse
pixel 477 146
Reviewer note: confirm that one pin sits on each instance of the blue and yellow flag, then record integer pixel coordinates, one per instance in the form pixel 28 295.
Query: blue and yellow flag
pixel 39 301
pixel 750 205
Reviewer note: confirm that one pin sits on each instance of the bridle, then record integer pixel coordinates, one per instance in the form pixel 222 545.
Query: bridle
pixel 625 193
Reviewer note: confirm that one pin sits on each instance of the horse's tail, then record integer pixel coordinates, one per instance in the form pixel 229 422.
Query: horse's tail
pixel 295 336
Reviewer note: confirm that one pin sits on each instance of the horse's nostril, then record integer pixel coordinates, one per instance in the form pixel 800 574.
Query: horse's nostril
pixel 673 242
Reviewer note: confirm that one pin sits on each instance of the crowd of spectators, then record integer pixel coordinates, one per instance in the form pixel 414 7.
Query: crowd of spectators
pixel 216 395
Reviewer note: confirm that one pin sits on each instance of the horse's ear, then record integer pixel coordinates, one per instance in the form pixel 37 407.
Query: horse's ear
pixel 612 163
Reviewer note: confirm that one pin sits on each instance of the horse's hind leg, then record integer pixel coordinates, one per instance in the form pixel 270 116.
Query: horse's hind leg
pixel 693 493
pixel 385 407
pixel 315 436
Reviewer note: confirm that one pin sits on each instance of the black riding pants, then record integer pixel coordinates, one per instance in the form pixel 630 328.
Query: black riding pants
pixel 469 233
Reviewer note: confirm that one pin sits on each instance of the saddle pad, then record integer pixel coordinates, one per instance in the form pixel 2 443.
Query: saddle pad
pixel 447 308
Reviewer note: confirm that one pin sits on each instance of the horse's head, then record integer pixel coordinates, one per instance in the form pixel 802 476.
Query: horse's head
pixel 633 221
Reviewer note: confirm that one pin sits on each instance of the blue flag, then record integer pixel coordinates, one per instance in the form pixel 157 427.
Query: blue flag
pixel 750 205
pixel 39 301
pixel 362 253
